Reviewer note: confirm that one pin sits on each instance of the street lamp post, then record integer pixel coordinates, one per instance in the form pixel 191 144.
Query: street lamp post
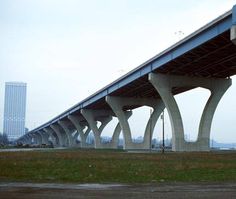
pixel 163 132
pixel 150 140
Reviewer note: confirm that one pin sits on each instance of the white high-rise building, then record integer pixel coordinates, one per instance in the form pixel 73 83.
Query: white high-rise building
pixel 14 110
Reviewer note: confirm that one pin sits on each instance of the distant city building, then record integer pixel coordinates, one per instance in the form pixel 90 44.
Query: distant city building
pixel 14 110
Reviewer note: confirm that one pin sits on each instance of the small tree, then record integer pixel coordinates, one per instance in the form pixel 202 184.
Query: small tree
pixel 3 139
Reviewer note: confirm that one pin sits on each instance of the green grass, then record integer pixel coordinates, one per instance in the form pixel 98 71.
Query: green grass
pixel 106 166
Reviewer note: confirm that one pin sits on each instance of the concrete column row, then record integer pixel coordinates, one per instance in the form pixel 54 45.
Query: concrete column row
pixel 164 85
pixel 117 104
pixel 80 128
pixel 64 133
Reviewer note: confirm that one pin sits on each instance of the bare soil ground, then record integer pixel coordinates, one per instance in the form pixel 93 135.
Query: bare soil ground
pixel 118 191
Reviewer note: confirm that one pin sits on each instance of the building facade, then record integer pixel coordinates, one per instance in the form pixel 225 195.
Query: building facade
pixel 14 110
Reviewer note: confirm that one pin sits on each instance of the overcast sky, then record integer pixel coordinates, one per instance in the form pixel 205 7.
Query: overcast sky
pixel 66 50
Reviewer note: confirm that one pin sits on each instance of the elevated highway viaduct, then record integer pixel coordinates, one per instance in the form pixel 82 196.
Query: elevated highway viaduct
pixel 206 58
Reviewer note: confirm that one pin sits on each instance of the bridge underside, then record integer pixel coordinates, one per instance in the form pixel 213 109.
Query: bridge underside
pixel 215 59
pixel 208 65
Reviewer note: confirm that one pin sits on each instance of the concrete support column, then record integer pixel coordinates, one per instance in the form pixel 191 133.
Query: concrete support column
pixel 60 135
pixel 26 139
pixel 233 28
pixel 218 88
pixel 65 126
pixel 44 136
pixel 52 136
pixel 92 116
pixel 32 138
pixel 38 138
pixel 117 104
pixel 22 140
pixel 115 137
pixel 76 121
pixel 164 84
pixel 29 139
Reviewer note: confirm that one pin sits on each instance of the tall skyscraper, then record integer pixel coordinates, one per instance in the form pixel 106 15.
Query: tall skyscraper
pixel 14 110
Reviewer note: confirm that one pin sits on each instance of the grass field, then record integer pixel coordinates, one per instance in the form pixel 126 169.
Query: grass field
pixel 105 166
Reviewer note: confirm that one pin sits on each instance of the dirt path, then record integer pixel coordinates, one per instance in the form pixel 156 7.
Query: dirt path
pixel 117 191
